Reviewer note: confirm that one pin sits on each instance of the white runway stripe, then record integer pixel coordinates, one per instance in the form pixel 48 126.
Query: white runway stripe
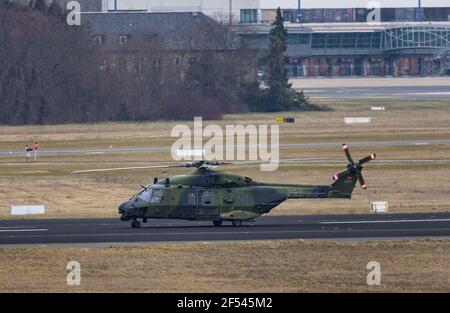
pixel 389 221
pixel 22 230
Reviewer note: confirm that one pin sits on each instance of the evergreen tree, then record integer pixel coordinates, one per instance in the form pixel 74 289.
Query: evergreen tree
pixel 39 5
pixel 280 96
pixel 277 79
pixel 56 10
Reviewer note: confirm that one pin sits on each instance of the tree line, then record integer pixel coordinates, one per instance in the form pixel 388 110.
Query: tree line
pixel 52 73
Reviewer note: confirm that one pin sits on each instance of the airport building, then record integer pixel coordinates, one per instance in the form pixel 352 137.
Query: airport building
pixel 340 38
pixel 326 37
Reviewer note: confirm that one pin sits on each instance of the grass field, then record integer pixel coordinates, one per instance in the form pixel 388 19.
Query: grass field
pixel 407 187
pixel 289 266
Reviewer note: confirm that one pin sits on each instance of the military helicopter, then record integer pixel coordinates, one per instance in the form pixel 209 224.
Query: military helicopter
pixel 209 195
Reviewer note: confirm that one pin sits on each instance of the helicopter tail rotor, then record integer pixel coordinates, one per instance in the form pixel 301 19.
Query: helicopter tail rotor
pixel 356 168
pixel 345 181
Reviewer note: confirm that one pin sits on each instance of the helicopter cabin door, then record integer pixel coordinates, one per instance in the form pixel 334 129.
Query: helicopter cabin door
pixel 206 207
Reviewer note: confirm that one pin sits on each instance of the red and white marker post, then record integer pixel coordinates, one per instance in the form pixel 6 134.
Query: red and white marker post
pixel 36 148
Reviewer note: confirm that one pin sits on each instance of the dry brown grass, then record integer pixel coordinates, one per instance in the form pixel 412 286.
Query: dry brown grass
pixel 402 120
pixel 289 266
pixel 408 188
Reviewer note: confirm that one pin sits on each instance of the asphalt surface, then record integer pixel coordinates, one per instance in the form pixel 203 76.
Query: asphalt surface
pixel 404 93
pixel 393 143
pixel 101 232
pixel 405 88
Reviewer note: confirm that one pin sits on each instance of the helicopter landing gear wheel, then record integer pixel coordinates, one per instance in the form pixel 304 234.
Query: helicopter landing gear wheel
pixel 217 223
pixel 237 223
pixel 135 224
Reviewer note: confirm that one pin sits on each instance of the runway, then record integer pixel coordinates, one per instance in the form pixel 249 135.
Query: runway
pixel 404 93
pixel 318 145
pixel 105 232
pixel 389 88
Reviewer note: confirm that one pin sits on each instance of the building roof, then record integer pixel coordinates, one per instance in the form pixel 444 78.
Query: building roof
pixel 176 30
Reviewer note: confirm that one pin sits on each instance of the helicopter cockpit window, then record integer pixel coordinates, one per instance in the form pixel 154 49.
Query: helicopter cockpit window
pixel 151 195
pixel 145 195
pixel 157 196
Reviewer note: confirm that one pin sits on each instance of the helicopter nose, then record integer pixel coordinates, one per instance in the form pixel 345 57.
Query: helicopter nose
pixel 124 207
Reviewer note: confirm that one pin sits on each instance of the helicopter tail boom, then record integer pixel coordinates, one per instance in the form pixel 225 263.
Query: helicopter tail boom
pixel 343 185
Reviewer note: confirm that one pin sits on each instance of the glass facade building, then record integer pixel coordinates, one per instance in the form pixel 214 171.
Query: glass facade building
pixel 340 42
pixel 396 50
pixel 360 15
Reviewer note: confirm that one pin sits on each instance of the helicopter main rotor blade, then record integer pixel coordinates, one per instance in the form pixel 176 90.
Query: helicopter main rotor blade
pixel 347 153
pixel 361 180
pixel 202 164
pixel 126 169
pixel 368 159
pixel 281 161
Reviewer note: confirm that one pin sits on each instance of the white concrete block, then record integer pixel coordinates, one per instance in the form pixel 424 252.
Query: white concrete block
pixel 358 120
pixel 27 209
pixel 379 207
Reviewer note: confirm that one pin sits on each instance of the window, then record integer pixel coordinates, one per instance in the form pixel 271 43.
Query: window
pixel 122 64
pixel 98 40
pixel 123 40
pixel 103 66
pixel 156 62
pixel 298 39
pixel 349 40
pixel 318 40
pixel 158 196
pixel 364 40
pixel 207 198
pixel 290 15
pixel 244 199
pixel 334 41
pixel 249 16
pixel 191 198
pixel 145 195
pixel 376 40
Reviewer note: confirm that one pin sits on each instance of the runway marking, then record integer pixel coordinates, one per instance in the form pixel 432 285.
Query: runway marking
pixel 162 149
pixel 388 221
pixel 22 230
pixel 12 227
pixel 313 90
pixel 241 232
pixel 437 93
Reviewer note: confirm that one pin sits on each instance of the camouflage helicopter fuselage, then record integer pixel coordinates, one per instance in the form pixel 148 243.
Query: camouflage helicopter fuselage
pixel 208 195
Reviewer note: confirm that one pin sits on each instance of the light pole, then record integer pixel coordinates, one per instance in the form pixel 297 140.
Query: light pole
pixel 420 14
pixel 299 11
pixel 231 13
